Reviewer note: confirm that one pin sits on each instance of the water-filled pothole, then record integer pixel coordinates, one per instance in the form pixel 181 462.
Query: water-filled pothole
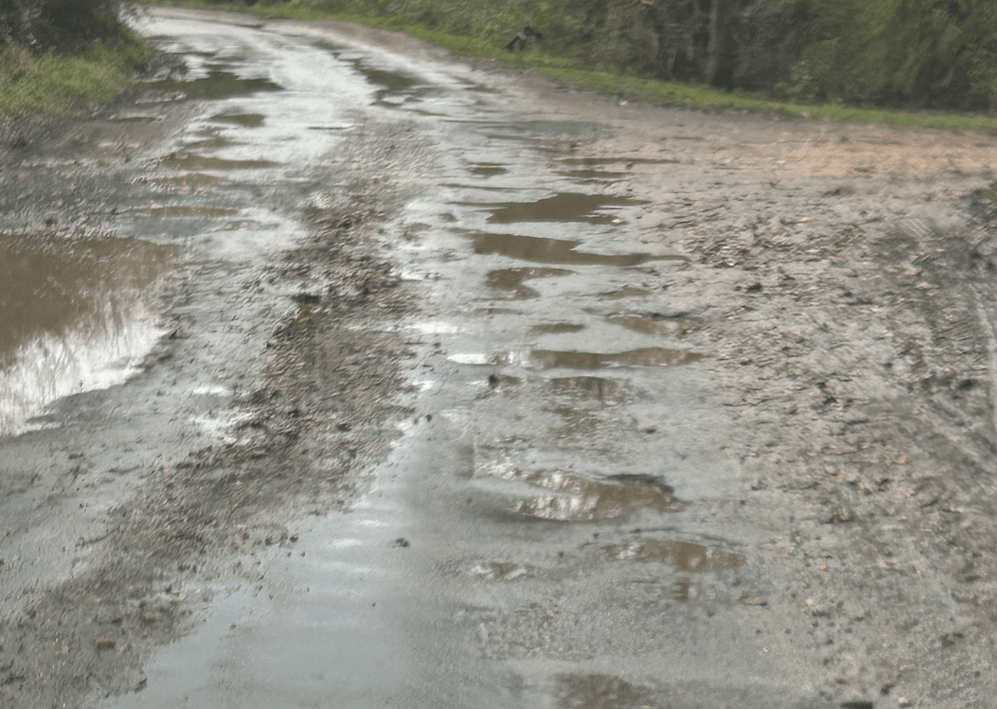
pixel 554 251
pixel 486 169
pixel 642 357
pixel 655 324
pixel 502 571
pixel 248 120
pixel 556 328
pixel 601 389
pixel 621 160
pixel 562 207
pixel 187 182
pixel 74 315
pixel 626 292
pixel 594 174
pixel 602 692
pixel 569 497
pixel 687 556
pixel 192 161
pixel 392 83
pixel 511 280
pixel 216 85
pixel 576 422
pixel 186 211
pixel 218 141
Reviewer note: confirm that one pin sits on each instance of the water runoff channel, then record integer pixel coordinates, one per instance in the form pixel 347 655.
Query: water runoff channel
pixel 549 523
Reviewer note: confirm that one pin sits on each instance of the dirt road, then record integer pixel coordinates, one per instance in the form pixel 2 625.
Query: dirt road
pixel 338 372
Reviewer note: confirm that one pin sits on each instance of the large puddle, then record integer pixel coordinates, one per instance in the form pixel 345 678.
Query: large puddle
pixel 554 251
pixel 563 207
pixel 687 556
pixel 74 315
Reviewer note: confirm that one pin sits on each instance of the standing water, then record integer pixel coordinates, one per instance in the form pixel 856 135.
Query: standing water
pixel 75 315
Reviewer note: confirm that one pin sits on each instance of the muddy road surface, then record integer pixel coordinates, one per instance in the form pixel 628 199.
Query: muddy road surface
pixel 339 372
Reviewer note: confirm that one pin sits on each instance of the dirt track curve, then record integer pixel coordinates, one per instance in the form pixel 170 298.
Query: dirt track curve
pixel 336 371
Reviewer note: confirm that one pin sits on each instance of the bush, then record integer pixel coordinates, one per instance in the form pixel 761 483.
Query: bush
pixel 60 25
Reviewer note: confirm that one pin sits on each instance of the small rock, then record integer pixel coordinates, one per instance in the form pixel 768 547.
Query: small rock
pixel 400 542
pixel 105 643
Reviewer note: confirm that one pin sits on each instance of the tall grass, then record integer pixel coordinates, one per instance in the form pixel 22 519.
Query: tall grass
pixel 54 83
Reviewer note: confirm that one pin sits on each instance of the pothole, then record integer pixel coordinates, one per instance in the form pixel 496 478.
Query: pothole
pixel 554 251
pixel 643 357
pixel 687 556
pixel 562 207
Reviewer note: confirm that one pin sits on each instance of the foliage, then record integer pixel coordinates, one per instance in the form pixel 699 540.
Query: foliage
pixel 939 54
pixel 63 25
pixel 54 53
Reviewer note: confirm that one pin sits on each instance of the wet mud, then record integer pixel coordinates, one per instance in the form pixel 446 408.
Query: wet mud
pixel 511 280
pixel 747 475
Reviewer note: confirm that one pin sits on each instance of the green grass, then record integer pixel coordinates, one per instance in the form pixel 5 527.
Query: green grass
pixel 54 84
pixel 571 71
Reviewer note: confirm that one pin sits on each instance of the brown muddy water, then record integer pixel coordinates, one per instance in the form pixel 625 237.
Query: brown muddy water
pixel 192 161
pixel 75 315
pixel 216 85
pixel 247 120
pixel 642 357
pixel 687 556
pixel 569 497
pixel 655 324
pixel 576 498
pixel 553 251
pixel 563 207
pixel 556 328
pixel 607 391
pixel 487 169
pixel 620 160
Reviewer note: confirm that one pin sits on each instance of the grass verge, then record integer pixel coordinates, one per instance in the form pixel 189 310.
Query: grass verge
pixel 572 71
pixel 56 83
